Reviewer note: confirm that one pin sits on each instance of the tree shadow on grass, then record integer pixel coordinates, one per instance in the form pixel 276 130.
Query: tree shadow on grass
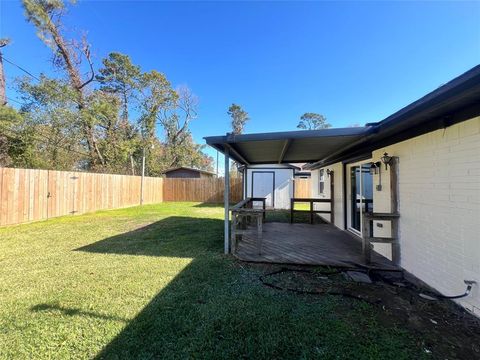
pixel 213 309
pixel 208 205
pixel 185 307
pixel 175 236
pixel 189 317
pixel 212 205
pixel 70 311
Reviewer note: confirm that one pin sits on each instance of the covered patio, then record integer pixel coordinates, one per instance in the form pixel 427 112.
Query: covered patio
pixel 249 238
pixel 306 244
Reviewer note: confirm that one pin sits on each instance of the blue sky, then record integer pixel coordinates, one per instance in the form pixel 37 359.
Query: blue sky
pixel 354 62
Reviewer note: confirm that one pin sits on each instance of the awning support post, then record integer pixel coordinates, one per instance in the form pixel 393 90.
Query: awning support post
pixel 226 201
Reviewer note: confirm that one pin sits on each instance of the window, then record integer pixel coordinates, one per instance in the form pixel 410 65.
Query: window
pixel 321 182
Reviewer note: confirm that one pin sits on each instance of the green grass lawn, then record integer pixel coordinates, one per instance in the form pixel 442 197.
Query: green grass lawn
pixel 152 282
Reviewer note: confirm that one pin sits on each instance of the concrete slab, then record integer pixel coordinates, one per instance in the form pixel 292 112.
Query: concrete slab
pixel 358 276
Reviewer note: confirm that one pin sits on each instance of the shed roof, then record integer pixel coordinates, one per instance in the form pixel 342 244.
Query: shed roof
pixel 456 101
pixel 189 168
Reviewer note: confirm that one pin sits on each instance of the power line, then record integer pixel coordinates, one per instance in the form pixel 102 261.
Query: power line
pixel 21 68
pixel 56 90
pixel 16 101
pixel 37 78
pixel 16 133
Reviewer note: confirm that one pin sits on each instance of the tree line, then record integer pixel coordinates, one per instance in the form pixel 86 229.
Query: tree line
pixel 102 119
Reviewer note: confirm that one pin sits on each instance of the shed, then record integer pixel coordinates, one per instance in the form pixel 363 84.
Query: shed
pixel 275 182
pixel 187 172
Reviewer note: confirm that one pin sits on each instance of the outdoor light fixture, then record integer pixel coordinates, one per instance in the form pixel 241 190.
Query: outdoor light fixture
pixel 386 160
pixel 375 167
pixel 329 172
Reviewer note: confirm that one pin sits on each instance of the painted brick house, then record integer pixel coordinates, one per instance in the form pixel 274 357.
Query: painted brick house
pixel 433 147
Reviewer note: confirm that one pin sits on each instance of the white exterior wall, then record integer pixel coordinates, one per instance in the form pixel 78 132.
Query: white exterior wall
pixel 338 193
pixel 439 206
pixel 283 183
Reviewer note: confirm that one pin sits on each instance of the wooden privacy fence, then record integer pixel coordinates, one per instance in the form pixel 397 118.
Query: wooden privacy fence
pixel 29 195
pixel 208 190
pixel 303 188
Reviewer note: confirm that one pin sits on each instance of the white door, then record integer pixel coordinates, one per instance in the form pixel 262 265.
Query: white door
pixel 263 186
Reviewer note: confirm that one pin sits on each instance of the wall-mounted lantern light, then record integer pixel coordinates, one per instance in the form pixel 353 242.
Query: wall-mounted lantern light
pixel 386 160
pixel 375 167
pixel 329 172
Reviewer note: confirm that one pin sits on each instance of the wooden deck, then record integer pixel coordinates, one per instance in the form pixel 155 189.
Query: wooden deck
pixel 306 244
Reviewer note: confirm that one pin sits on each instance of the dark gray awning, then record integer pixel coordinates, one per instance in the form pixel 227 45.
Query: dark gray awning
pixel 456 101
pixel 287 147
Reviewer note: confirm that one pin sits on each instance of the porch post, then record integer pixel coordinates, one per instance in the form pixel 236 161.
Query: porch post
pixel 226 202
pixel 332 198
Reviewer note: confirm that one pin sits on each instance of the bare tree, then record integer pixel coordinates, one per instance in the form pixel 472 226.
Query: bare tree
pixel 176 120
pixel 69 55
pixel 185 111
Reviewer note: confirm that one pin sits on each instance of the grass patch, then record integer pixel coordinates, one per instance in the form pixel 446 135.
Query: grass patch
pixel 151 282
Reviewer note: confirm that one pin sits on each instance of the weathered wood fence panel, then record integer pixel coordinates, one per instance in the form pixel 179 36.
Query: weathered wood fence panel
pixel 29 195
pixel 208 190
pixel 303 188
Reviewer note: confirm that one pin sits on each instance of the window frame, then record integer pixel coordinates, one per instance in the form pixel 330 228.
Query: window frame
pixel 321 182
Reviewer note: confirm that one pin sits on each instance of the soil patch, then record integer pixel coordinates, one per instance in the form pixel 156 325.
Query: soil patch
pixel 443 329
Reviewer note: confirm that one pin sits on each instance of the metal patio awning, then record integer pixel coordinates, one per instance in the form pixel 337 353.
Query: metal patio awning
pixel 456 101
pixel 287 147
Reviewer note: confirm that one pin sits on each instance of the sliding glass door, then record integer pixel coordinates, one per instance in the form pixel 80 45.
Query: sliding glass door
pixel 360 195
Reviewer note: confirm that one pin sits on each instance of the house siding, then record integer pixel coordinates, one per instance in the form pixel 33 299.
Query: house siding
pixel 338 193
pixel 439 206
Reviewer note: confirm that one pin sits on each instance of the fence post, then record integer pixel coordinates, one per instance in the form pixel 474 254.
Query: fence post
pixel 143 177
pixel 49 195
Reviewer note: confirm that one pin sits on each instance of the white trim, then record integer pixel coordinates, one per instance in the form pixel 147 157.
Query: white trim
pixel 349 198
pixel 354 231
pixel 321 180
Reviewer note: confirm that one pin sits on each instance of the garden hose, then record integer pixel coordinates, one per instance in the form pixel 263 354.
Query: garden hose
pixel 469 283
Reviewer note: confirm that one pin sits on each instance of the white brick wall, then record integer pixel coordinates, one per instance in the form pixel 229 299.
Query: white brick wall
pixel 439 205
pixel 338 196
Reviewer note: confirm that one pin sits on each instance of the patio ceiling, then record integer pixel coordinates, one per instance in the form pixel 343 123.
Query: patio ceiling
pixel 287 147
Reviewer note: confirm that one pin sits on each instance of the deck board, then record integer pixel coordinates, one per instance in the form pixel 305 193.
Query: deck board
pixel 305 244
